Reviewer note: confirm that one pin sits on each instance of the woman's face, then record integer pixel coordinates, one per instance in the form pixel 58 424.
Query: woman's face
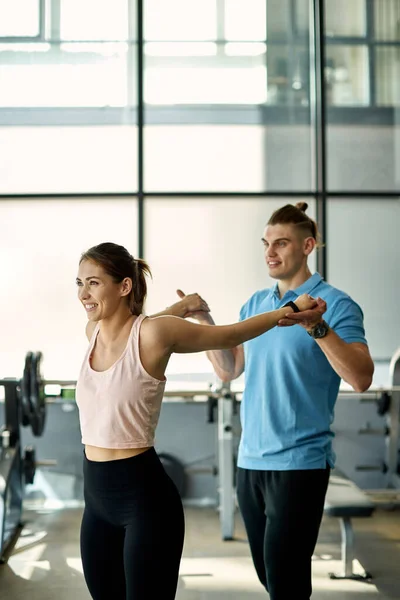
pixel 100 296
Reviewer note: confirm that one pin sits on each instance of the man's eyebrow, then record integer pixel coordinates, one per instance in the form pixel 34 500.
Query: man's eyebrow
pixel 277 240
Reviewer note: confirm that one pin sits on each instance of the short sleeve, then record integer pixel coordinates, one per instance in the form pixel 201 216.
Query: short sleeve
pixel 347 321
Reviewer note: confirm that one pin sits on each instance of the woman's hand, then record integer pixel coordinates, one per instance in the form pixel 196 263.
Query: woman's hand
pixel 305 302
pixel 307 317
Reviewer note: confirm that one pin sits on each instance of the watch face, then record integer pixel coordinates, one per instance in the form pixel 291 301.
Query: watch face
pixel 320 330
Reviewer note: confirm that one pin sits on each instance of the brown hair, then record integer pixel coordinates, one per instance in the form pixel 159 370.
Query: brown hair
pixel 295 215
pixel 119 264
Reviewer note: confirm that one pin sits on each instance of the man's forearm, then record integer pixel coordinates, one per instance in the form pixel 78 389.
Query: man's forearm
pixel 352 364
pixel 223 361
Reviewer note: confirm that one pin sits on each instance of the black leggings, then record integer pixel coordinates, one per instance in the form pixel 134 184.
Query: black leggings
pixel 132 529
pixel 282 513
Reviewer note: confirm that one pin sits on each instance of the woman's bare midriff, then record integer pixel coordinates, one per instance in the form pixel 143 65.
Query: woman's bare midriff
pixel 97 454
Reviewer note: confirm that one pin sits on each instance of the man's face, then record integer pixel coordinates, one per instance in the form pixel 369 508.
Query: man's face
pixel 286 250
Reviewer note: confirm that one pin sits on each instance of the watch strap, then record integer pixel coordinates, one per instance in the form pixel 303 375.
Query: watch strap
pixel 292 305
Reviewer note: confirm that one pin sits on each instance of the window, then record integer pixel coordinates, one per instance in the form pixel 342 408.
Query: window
pixel 347 76
pixel 180 20
pixel 245 21
pixel 88 75
pixel 93 20
pixel 344 18
pixel 388 76
pixel 19 18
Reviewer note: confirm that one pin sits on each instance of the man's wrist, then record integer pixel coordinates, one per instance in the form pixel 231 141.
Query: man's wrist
pixel 204 319
pixel 176 310
pixel 319 330
pixel 311 327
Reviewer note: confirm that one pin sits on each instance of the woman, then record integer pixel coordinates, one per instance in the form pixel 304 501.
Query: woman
pixel 133 526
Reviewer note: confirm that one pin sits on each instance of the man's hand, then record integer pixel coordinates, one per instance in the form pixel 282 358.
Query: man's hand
pixel 306 318
pixel 195 307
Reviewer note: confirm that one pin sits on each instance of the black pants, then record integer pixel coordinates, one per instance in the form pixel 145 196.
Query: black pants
pixel 282 512
pixel 132 529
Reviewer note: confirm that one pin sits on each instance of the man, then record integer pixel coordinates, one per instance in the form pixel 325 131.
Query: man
pixel 292 377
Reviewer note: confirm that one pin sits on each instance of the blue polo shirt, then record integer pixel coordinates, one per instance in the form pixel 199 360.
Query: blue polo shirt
pixel 290 388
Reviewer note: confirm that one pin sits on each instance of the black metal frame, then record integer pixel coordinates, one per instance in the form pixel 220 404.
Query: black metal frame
pixel 11 473
pixel 140 124
pixel 318 111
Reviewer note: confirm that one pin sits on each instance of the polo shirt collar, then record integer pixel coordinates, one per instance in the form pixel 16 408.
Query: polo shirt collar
pixel 304 288
pixel 308 286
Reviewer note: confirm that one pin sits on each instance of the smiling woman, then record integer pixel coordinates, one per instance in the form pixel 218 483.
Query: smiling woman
pixel 106 266
pixel 119 392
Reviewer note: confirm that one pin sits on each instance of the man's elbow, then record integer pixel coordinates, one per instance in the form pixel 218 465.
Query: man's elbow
pixel 364 382
pixel 362 385
pixel 225 377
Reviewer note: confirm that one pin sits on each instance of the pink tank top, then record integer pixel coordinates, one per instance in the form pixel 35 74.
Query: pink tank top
pixel 119 407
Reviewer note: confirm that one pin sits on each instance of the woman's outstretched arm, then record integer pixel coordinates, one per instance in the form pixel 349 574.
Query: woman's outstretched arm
pixel 178 335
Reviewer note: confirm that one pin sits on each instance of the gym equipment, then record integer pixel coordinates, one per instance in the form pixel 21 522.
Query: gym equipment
pixel 345 501
pixel 24 404
pixel 30 392
pixel 221 399
pixel 388 403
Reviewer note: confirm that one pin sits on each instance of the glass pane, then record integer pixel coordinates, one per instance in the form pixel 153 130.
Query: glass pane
pixel 345 18
pixel 73 75
pixel 288 75
pixel 224 81
pixel 227 158
pixel 244 24
pixel 177 20
pixel 388 76
pixel 19 18
pixel 364 243
pixel 346 75
pixel 223 258
pixel 68 159
pixel 302 16
pixel 40 246
pixel 219 103
pixel 288 62
pixel 387 19
pixel 279 16
pixel 94 20
pixel 364 157
pixel 180 49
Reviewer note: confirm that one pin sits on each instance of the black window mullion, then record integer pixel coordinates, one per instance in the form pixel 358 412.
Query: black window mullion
pixel 140 126
pixel 371 51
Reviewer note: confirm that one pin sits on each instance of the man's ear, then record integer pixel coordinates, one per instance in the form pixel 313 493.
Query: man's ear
pixel 309 245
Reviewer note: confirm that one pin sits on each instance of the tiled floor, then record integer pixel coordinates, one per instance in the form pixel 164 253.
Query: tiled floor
pixel 46 565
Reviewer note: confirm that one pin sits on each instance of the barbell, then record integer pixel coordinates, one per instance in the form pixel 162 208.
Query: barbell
pixel 32 395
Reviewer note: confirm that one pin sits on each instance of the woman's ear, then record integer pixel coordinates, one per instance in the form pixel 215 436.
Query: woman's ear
pixel 126 286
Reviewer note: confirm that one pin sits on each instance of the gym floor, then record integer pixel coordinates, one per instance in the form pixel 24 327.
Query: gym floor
pixel 45 563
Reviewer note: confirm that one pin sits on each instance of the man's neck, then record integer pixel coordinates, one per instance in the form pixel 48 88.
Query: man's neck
pixel 284 285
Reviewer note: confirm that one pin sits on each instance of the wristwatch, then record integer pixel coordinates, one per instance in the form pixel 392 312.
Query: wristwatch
pixel 292 305
pixel 319 330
